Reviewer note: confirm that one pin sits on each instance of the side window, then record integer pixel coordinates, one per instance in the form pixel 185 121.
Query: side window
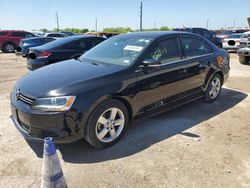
pixel 166 51
pixel 94 41
pixel 207 34
pixel 28 35
pixel 76 45
pixel 18 34
pixel 3 33
pixel 195 47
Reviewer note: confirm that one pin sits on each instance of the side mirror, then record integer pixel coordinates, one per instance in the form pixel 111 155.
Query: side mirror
pixel 151 63
pixel 76 56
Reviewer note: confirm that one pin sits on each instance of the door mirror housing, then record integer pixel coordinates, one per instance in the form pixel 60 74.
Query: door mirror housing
pixel 151 63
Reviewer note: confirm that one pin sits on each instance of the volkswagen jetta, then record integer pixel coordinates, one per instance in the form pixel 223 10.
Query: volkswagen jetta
pixel 128 76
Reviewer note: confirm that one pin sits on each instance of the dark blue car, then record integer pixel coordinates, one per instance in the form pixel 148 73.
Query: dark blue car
pixel 25 44
pixel 203 32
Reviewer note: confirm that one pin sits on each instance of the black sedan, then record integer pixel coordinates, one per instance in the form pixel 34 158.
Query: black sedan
pixel 61 49
pixel 25 44
pixel 123 78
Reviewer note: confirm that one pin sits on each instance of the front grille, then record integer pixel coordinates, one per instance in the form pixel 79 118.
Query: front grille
pixel 24 98
pixel 24 126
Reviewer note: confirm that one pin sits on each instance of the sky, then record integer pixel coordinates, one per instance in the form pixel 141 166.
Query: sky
pixel 34 15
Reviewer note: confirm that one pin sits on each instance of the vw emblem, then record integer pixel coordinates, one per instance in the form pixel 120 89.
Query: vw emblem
pixel 17 94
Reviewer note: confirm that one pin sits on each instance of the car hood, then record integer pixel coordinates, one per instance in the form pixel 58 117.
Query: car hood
pixel 64 78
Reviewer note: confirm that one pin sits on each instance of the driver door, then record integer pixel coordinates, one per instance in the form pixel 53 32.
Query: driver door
pixel 158 83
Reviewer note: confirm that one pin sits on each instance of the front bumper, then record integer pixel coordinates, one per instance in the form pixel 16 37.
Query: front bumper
pixel 244 51
pixel 33 124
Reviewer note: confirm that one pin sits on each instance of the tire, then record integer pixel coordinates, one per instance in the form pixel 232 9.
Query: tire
pixel 244 60
pixel 101 130
pixel 213 89
pixel 9 47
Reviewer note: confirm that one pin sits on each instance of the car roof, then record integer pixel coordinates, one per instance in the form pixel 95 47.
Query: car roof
pixel 14 31
pixel 153 34
pixel 64 41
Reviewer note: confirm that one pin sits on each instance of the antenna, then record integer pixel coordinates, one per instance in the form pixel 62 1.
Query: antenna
pixel 141 17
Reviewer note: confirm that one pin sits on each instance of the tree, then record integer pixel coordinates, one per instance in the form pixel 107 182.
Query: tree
pixel 118 29
pixel 164 28
pixel 44 30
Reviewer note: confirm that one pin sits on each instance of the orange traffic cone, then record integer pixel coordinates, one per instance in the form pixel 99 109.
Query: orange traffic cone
pixel 52 175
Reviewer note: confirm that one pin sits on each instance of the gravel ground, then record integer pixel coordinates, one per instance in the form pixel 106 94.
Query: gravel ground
pixel 196 145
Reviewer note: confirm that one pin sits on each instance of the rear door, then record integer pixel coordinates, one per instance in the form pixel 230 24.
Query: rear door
pixel 198 57
pixel 158 83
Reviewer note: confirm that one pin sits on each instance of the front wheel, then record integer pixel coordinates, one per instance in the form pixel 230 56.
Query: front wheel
pixel 213 89
pixel 107 123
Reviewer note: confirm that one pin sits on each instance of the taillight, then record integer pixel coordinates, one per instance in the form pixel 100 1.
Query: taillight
pixel 44 54
pixel 220 60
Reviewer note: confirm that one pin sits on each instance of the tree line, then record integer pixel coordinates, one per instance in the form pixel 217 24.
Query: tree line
pixel 109 29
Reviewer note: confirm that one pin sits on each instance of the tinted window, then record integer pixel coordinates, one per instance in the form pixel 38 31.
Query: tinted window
pixel 166 51
pixel 76 45
pixel 94 41
pixel 207 34
pixel 195 47
pixel 46 39
pixel 3 33
pixel 18 34
pixel 55 35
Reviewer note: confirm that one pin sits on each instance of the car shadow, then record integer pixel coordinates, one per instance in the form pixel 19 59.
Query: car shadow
pixel 148 131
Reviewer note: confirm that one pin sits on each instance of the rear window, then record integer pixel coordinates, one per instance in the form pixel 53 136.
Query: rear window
pixel 195 47
pixel 235 36
pixel 56 35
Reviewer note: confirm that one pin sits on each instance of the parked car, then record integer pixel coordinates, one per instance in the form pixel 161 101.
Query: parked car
pixel 228 33
pixel 59 50
pixel 244 48
pixel 56 35
pixel 205 33
pixel 25 44
pixel 232 42
pixel 68 33
pixel 10 39
pixel 121 79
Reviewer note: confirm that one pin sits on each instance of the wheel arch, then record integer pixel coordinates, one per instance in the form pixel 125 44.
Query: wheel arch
pixel 211 75
pixel 117 97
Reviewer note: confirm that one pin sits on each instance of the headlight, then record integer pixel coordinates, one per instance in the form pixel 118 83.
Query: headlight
pixel 54 103
pixel 25 44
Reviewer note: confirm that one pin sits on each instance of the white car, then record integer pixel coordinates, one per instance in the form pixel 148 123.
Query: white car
pixel 56 35
pixel 232 42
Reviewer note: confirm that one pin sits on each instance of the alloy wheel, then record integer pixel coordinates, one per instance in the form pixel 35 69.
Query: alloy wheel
pixel 110 125
pixel 215 88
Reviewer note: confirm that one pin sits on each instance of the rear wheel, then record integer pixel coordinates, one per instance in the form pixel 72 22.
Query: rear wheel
pixel 107 123
pixel 214 88
pixel 8 47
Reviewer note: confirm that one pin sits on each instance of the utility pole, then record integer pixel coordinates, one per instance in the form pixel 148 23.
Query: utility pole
pixel 207 23
pixel 141 17
pixel 57 21
pixel 95 24
pixel 234 23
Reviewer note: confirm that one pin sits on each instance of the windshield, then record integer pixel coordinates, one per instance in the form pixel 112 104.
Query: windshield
pixel 118 50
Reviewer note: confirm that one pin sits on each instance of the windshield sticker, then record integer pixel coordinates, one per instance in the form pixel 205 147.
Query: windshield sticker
pixel 133 48
pixel 126 61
